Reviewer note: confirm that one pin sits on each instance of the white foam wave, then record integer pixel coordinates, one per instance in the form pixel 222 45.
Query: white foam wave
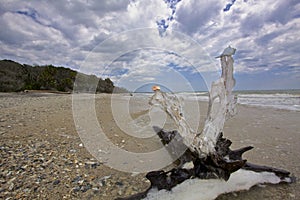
pixel 276 100
pixel 283 101
pixel 279 101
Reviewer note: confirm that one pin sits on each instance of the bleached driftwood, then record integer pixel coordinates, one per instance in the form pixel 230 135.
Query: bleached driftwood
pixel 208 151
pixel 221 106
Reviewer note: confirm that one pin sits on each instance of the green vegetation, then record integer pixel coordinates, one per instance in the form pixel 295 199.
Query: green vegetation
pixel 15 77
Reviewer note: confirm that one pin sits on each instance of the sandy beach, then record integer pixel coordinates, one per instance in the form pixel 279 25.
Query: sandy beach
pixel 43 157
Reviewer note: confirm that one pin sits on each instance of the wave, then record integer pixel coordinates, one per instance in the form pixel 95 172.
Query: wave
pixel 287 100
pixel 279 100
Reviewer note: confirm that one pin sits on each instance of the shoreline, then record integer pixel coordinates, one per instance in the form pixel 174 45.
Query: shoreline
pixel 37 93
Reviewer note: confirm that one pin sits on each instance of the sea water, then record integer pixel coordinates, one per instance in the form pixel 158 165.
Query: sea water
pixel 287 100
pixel 279 99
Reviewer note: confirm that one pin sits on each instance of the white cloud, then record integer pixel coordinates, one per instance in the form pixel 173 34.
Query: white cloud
pixel 194 15
pixel 265 33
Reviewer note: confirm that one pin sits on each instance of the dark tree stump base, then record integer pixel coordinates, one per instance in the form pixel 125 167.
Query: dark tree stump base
pixel 215 166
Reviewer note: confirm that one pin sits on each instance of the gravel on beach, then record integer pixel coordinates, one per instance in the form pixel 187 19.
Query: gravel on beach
pixel 42 156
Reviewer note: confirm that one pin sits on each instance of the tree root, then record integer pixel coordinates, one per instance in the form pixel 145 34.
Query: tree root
pixel 215 166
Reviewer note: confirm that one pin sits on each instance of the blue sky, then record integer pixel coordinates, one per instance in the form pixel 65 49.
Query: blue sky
pixel 169 42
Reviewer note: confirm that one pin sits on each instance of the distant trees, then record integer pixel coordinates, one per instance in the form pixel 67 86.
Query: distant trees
pixel 105 86
pixel 16 77
pixel 11 76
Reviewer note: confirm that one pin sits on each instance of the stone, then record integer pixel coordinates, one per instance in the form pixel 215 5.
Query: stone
pixel 56 182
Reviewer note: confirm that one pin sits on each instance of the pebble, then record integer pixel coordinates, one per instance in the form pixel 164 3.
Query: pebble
pixel 26 190
pixel 292 195
pixel 11 187
pixel 76 189
pixel 120 184
pixel 76 179
pixel 86 187
pixel 91 164
pixel 56 182
pixel 95 189
pixel 72 150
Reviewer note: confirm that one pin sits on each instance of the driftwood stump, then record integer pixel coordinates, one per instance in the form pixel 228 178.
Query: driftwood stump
pixel 209 152
pixel 215 166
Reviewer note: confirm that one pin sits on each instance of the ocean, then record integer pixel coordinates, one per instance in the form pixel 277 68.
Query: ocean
pixel 279 99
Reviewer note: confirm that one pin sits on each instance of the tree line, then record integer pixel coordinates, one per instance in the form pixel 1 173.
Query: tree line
pixel 15 77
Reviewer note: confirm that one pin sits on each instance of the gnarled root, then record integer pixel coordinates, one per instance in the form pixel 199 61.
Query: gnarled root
pixel 215 166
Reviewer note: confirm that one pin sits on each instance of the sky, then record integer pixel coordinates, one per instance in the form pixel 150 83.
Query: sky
pixel 172 43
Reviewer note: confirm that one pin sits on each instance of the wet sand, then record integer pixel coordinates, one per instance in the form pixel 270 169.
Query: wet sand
pixel 42 156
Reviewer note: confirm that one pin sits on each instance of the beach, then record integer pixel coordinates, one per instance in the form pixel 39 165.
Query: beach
pixel 43 156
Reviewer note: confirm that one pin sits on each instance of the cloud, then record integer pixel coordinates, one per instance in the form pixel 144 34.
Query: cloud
pixel 194 15
pixel 150 66
pixel 141 55
pixel 265 33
